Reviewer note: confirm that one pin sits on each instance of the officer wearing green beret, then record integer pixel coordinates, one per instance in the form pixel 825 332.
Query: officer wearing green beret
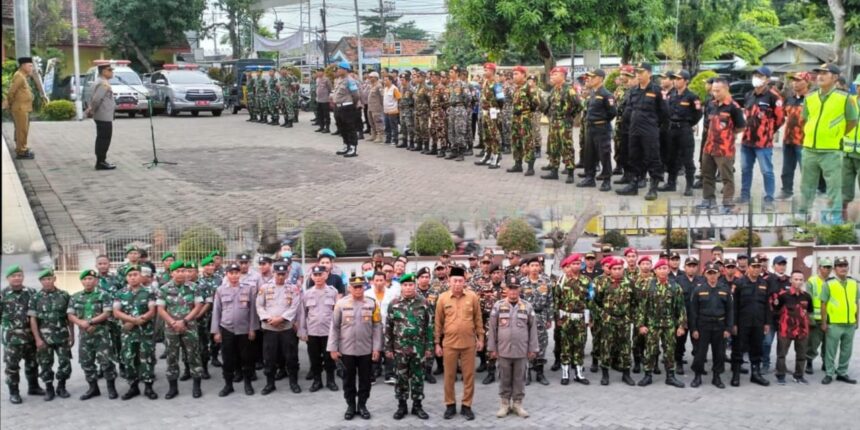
pixel 51 330
pixel 18 343
pixel 134 306
pixel 132 258
pixel 90 310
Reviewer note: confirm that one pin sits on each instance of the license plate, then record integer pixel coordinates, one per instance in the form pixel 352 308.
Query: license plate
pixel 202 103
pixel 127 106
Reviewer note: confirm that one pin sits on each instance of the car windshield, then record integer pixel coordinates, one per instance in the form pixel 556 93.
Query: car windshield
pixel 189 77
pixel 126 75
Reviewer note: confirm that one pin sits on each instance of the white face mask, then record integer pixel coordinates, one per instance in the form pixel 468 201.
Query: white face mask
pixel 757 81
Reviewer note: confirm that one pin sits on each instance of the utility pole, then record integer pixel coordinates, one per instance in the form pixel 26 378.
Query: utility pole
pixel 382 17
pixel 324 37
pixel 79 107
pixel 358 34
pixel 22 28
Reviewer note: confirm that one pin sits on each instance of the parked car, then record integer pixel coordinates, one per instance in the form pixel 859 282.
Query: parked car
pixel 182 88
pixel 739 89
pixel 128 90
pixel 236 89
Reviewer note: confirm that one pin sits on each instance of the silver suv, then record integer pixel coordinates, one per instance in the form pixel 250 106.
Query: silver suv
pixel 177 90
pixel 128 90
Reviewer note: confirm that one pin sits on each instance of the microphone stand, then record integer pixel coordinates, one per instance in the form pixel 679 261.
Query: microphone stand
pixel 155 162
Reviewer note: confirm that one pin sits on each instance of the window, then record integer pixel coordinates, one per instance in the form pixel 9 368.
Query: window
pixel 155 77
pixel 397 48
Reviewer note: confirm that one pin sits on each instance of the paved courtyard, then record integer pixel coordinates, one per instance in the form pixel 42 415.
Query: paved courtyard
pixel 555 406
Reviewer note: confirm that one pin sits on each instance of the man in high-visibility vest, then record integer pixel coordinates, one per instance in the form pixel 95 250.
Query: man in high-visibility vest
pixel 829 116
pixel 851 161
pixel 816 336
pixel 839 300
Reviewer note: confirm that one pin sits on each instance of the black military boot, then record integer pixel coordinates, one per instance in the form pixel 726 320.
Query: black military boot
pixel 570 177
pixel 579 376
pixel 593 367
pixel 433 150
pixel 270 385
pixel 280 374
pixel 351 152
pixel 553 174
pixel 483 161
pixel 196 392
pixel 227 389
pixel 756 377
pixel 605 186
pixel 33 388
pixel 61 389
pixel 443 152
pixel 418 410
pixel 697 380
pixel 625 179
pixel 148 392
pixel 133 391
pixel 14 395
pixel 625 377
pixel 320 128
pixel 327 129
pixel 402 143
pixel 93 391
pixel 402 410
pixel 343 151
pixel 491 375
pixel 205 374
pixel 539 376
pixel 646 380
pixel 736 377
pixel 251 118
pixel 362 409
pixel 641 182
pixel 679 368
pixel 670 185
pixel 671 379
pixel 350 410
pixel 604 380
pixel 517 167
pixel 275 120
pixel 329 380
pixel 186 374
pixel 630 190
pixel 637 366
pixel 173 391
pixel 483 366
pixel 237 377
pixel 556 362
pixel 49 391
pixel 652 190
pixel 317 384
pixel 288 124
pixel 495 160
pixel 531 169
pixel 294 383
pixel 717 382
pixel 688 189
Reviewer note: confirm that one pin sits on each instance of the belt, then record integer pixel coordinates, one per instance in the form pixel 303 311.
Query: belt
pixel 711 319
pixel 596 122
pixel 522 112
pixel 678 124
pixel 344 104
pixel 571 315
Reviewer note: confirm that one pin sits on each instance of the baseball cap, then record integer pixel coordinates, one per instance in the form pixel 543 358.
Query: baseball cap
pixel 243 257
pixel 801 76
pixel 779 260
pixel 827 67
pixel 756 261
pixel 730 262
pixel 346 66
pixel 446 253
pixel 841 261
pixel 596 72
pixel 627 70
pixel 664 254
pixel 590 255
pixel 280 267
pixel 233 267
pixel 674 256
pixel 318 269
pixel 644 66
pixel 763 70
pixel 683 74
pixel 263 259
pixel 825 262
pixel 512 282
pixel 692 261
pixel 711 267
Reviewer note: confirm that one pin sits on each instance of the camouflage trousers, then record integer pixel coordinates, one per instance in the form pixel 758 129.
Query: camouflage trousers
pixel 521 137
pixel 295 104
pixel 115 337
pixel 176 342
pixel 407 125
pixel 12 356
pixel 422 126
pixel 439 129
pixel 458 128
pixel 45 358
pixel 656 337
pixel 138 357
pixel 638 346
pixel 559 144
pixel 97 349
pixel 537 139
pixel 491 134
pixel 288 108
pixel 204 339
pixel 615 344
pixel 573 335
pixel 505 127
pixel 595 335
pixel 262 105
pixel 272 103
pixel 409 371
pixel 252 104
pixel 485 317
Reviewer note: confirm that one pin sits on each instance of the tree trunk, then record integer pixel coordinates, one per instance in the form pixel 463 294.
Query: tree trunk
pixel 626 51
pixel 837 9
pixel 233 32
pixel 545 52
pixel 578 227
pixel 143 58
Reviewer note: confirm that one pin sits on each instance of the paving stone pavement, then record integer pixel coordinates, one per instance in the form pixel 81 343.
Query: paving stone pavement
pixel 616 406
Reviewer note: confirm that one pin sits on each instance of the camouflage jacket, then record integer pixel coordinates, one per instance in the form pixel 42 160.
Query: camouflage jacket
pixel 13 315
pixel 422 98
pixel 135 304
pixel 407 98
pixel 563 104
pixel 49 308
pixel 617 301
pixel 573 295
pixel 539 294
pixel 489 294
pixel 488 96
pixel 526 99
pixel 661 305
pixel 431 294
pixel 439 98
pixel 178 301
pixel 509 96
pixel 459 94
pixel 640 283
pixel 619 94
pixel 272 87
pixel 478 280
pixel 109 283
pixel 409 326
pixel 261 86
pixel 251 85
pixel 88 305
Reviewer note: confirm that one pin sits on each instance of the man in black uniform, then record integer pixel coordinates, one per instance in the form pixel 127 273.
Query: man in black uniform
pixel 711 319
pixel 685 111
pixel 600 111
pixel 752 322
pixel 648 110
pixel 689 280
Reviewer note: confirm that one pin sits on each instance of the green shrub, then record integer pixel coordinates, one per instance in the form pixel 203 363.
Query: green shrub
pixel 431 238
pixel 9 69
pixel 197 242
pixel 843 234
pixel 609 82
pixel 677 239
pixel 740 238
pixel 58 110
pixel 322 234
pixel 615 238
pixel 519 235
pixel 697 84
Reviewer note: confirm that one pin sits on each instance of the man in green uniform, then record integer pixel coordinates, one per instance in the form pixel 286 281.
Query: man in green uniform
pixel 52 331
pixel 431 294
pixel 617 302
pixel 536 289
pixel 573 295
pixel 564 105
pixel 661 316
pixel 261 98
pixel 851 161
pixel 179 304
pixel 409 341
pixel 134 307
pixel 18 343
pixel 273 98
pixel 207 283
pixel 816 335
pixel 90 310
pixel 285 101
pixel 839 307
pixel 525 102
pixel 250 96
pixel 491 103
pixel 422 113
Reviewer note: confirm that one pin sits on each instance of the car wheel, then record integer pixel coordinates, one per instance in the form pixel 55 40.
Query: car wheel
pixel 195 113
pixel 216 113
pixel 132 114
pixel 169 108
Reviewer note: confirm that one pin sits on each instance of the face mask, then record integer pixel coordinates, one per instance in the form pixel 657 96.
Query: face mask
pixel 757 82
pixel 286 254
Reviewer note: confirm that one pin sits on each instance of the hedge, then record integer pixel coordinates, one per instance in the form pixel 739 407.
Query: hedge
pixel 58 110
pixel 197 242
pixel 517 234
pixel 431 238
pixel 322 234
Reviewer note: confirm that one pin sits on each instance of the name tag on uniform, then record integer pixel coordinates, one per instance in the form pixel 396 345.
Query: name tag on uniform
pixel 650 95
pixel 722 293
pixel 685 103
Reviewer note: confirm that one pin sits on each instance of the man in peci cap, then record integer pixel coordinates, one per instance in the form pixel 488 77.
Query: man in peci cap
pixel 54 333
pixel 525 101
pixel 20 102
pixel 600 111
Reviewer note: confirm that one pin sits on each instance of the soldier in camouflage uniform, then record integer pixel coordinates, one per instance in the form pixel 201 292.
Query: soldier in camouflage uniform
pixel 178 304
pixel 536 289
pixel 620 92
pixel 208 282
pixel 491 106
pixel 52 330
pixel 564 106
pixel 507 82
pixel 572 297
pixel 488 293
pixel 261 98
pixel 132 259
pixel 203 318
pixel 537 139
pixel 91 310
pixel 134 307
pixel 459 102
pixel 425 289
pixel 18 343
pixel 250 96
pixel 285 101
pixel 640 281
pixel 438 122
pixel 295 90
pixel 422 113
pixel 525 102
pixel 661 316
pixel 409 342
pixel 109 284
pixel 617 301
pixel 273 98
pixel 406 107
pixel 312 104
pixel 598 283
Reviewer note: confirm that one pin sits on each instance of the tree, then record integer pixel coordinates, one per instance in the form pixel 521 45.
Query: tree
pixel 408 31
pixel 846 16
pixel 457 47
pixel 47 24
pixel 529 25
pixel 376 25
pixel 638 28
pixel 701 19
pixel 241 19
pixel 740 43
pixel 137 28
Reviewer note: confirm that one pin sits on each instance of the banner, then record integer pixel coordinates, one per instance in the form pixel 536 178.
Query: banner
pixel 48 82
pixel 263 44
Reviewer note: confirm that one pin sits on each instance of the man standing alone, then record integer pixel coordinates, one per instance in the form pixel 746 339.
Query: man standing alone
pixel 20 101
pixel 101 109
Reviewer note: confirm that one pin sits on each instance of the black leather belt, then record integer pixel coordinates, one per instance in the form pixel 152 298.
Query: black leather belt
pixel 596 122
pixel 678 124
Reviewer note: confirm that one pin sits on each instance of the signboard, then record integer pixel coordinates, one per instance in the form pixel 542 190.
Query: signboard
pixel 658 222
pixel 423 62
pixel 591 58
pixel 371 53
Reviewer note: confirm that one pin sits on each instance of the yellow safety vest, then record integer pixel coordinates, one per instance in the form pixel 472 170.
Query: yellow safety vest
pixel 851 142
pixel 825 121
pixel 815 283
pixel 842 305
